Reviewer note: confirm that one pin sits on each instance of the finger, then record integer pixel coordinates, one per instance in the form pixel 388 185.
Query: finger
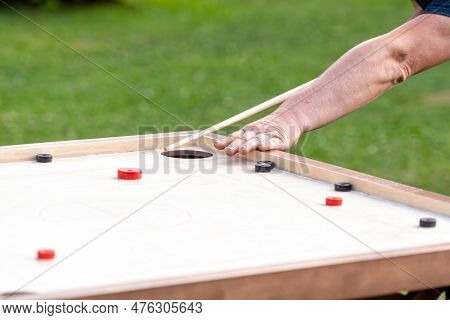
pixel 238 134
pixel 233 147
pixel 249 133
pixel 249 145
pixel 245 134
pixel 253 143
pixel 223 142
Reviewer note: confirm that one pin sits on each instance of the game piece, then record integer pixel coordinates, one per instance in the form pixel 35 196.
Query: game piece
pixel 264 166
pixel 129 173
pixel 45 254
pixel 271 163
pixel 343 186
pixel 44 157
pixel 427 222
pixel 333 201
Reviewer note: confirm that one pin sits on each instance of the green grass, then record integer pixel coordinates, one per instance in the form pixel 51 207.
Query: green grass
pixel 207 60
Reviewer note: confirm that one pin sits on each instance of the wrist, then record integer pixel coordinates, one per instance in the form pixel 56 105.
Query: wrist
pixel 293 116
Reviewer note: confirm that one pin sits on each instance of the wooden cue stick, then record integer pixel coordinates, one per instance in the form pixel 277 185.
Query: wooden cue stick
pixel 239 117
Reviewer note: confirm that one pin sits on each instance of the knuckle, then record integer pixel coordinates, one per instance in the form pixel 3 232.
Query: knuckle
pixel 252 127
pixel 278 132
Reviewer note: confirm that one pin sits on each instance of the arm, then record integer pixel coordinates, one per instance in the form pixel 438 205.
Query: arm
pixel 358 77
pixel 417 9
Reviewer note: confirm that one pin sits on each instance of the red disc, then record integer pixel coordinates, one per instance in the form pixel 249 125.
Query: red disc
pixel 45 254
pixel 129 173
pixel 333 201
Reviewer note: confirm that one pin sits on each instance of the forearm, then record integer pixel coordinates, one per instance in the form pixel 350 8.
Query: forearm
pixel 353 81
pixel 367 71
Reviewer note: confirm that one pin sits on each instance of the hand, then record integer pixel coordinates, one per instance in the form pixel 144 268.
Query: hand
pixel 269 133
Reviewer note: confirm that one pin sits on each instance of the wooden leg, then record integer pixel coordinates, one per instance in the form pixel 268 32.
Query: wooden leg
pixel 447 293
pixel 394 296
pixel 417 295
pixel 424 295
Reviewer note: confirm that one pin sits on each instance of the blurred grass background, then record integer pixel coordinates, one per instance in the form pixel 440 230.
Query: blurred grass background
pixel 206 60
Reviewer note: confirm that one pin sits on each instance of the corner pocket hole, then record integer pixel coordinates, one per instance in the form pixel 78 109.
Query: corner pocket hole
pixel 187 154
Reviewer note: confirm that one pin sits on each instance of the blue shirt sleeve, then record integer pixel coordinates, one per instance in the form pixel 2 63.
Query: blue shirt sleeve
pixel 441 7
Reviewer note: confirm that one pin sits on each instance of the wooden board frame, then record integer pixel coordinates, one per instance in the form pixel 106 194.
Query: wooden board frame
pixel 369 274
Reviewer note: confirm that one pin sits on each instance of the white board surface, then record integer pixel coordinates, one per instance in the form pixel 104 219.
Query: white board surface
pixel 222 218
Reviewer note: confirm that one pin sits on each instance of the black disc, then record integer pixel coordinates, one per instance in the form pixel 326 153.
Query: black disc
pixel 427 222
pixel 343 186
pixel 44 157
pixel 264 166
pixel 271 163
